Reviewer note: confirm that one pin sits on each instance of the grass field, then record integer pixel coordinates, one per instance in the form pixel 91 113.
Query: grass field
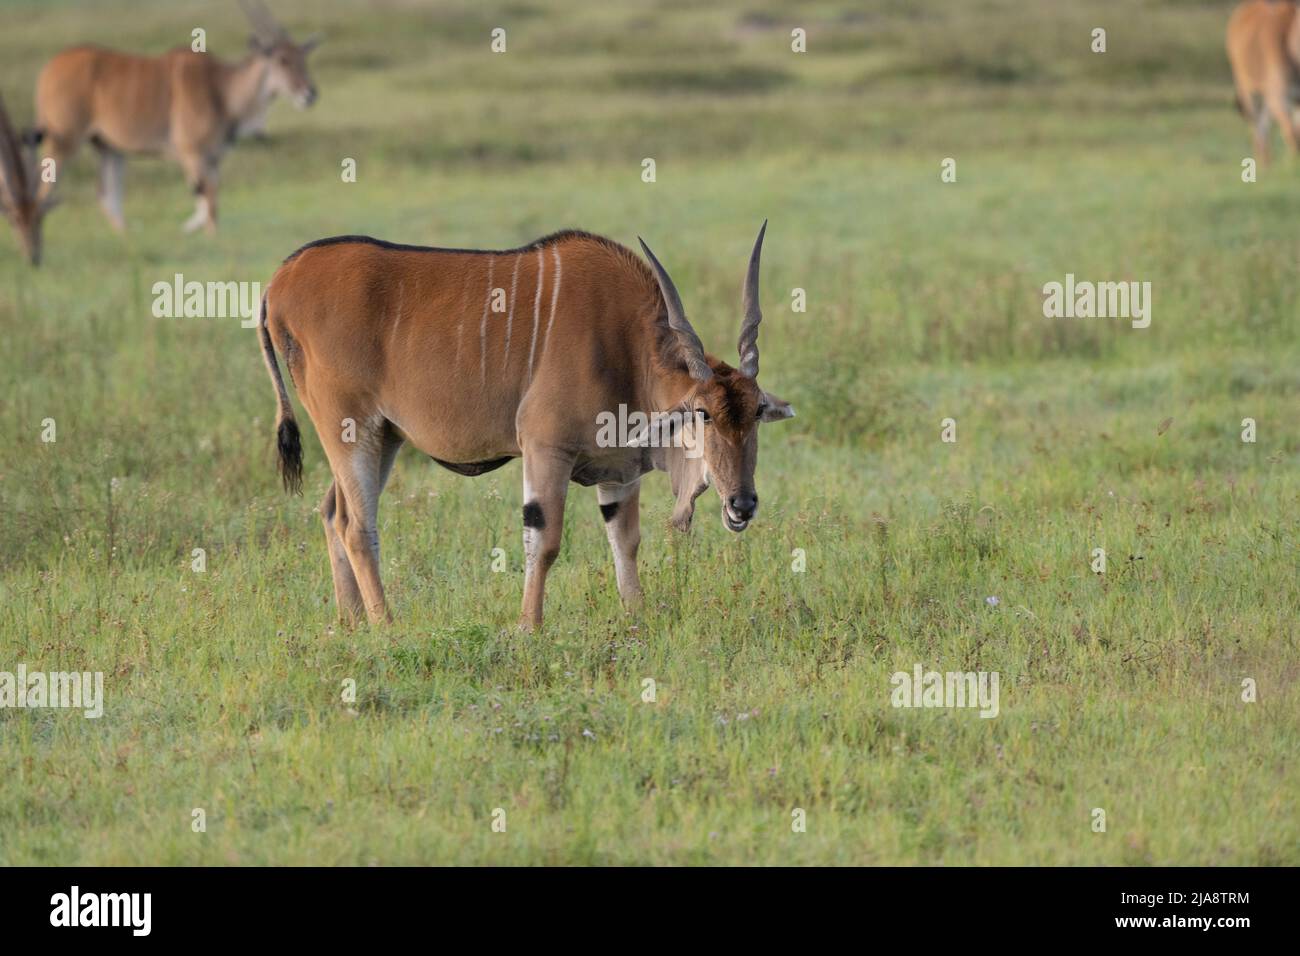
pixel 1121 692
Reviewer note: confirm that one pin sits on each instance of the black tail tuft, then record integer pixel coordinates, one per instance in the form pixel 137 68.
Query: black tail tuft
pixel 289 444
pixel 288 441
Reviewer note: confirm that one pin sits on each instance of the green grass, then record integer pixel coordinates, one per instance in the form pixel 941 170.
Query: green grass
pixel 1120 692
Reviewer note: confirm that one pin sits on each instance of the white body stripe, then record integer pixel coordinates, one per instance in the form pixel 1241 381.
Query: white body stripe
pixel 510 318
pixel 397 319
pixel 482 328
pixel 555 297
pixel 537 308
pixel 460 334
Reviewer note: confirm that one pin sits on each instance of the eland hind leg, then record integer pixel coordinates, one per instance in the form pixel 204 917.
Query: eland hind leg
pixel 1280 109
pixel 361 468
pixel 1257 115
pixel 1259 131
pixel 347 594
pixel 112 168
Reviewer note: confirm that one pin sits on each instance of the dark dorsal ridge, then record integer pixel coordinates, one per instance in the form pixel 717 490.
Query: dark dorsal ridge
pixel 533 246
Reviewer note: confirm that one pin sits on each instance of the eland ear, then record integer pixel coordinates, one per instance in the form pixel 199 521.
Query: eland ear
pixel 775 409
pixel 311 43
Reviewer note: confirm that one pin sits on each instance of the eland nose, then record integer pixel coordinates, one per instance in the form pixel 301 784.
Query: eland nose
pixel 743 506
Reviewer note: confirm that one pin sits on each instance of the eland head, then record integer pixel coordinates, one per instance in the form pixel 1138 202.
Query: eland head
pixel 722 411
pixel 286 60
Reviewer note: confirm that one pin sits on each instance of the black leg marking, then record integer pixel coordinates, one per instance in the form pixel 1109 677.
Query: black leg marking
pixel 608 511
pixel 533 515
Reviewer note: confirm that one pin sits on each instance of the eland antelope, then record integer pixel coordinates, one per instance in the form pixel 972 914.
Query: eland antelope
pixel 479 357
pixel 19 184
pixel 188 105
pixel 1264 49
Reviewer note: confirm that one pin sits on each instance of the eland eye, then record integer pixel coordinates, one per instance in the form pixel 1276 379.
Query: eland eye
pixel 704 415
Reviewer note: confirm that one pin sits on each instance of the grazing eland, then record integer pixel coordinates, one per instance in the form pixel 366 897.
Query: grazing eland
pixel 1264 49
pixel 20 201
pixel 390 343
pixel 190 106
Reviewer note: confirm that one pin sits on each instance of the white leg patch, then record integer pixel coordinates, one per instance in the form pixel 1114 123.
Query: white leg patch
pixel 202 214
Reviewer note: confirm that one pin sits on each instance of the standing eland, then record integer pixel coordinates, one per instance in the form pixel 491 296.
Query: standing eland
pixel 1264 49
pixel 384 344
pixel 190 106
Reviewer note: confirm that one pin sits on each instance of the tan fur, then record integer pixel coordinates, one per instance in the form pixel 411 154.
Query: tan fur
pixel 1263 43
pixel 398 340
pixel 190 106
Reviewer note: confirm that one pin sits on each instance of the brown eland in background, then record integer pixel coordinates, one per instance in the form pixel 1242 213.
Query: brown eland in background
pixel 1264 50
pixel 389 343
pixel 19 188
pixel 190 106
